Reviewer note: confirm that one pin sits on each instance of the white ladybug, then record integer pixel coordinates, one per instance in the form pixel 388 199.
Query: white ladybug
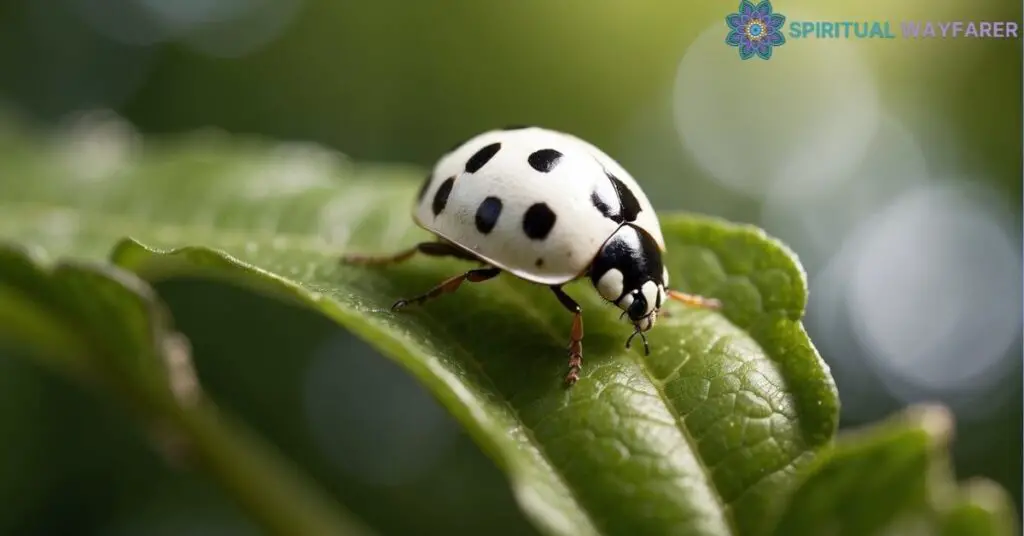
pixel 549 208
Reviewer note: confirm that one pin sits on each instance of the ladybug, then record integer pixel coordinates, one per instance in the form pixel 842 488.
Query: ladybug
pixel 547 207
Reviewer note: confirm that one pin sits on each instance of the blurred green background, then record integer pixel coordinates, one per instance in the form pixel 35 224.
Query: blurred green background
pixel 892 167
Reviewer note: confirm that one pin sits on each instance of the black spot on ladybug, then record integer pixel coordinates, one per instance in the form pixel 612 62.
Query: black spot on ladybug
pixel 517 127
pixel 606 210
pixel 441 197
pixel 544 160
pixel 630 206
pixel 487 214
pixel 481 157
pixel 539 262
pixel 423 189
pixel 538 221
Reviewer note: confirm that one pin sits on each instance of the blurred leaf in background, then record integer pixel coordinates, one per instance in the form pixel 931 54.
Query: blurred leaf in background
pixel 892 478
pixel 107 329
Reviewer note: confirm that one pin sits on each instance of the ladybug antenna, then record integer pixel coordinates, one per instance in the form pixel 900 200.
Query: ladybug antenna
pixel 643 337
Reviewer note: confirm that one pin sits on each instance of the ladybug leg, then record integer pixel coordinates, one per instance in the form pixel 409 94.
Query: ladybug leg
pixel 575 336
pixel 448 286
pixel 432 249
pixel 693 300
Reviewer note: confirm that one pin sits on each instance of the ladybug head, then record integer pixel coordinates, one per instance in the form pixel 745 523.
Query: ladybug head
pixel 628 272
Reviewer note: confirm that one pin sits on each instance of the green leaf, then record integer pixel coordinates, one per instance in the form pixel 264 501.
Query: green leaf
pixel 703 437
pixel 894 478
pixel 980 508
pixel 106 327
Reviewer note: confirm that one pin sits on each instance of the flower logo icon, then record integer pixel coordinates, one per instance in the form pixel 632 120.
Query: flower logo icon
pixel 755 30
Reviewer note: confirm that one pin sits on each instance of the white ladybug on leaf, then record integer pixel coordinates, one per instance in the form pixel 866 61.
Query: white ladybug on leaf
pixel 549 208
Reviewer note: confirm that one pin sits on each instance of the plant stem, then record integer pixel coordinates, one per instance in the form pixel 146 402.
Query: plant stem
pixel 258 477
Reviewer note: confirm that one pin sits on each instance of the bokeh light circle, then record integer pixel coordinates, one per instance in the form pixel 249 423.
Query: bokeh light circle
pixel 934 292
pixel 816 225
pixel 800 120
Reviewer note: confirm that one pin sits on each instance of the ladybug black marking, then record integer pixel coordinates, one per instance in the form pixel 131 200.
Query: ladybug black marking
pixel 630 205
pixel 544 160
pixel 481 157
pixel 441 197
pixel 538 221
pixel 627 207
pixel 487 214
pixel 606 210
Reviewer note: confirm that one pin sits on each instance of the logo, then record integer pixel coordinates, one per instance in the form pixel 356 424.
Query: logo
pixel 755 30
